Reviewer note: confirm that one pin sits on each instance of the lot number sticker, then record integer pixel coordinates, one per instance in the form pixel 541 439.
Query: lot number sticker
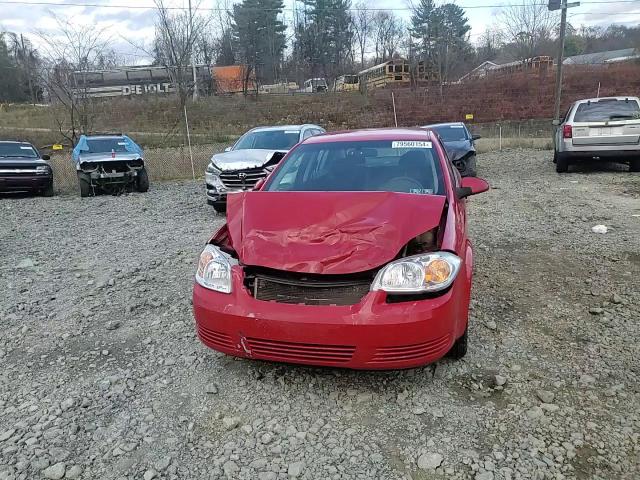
pixel 411 144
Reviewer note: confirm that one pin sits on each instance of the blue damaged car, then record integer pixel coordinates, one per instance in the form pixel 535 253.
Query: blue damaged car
pixel 109 163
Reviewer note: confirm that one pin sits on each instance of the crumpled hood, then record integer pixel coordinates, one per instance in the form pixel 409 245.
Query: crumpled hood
pixel 458 149
pixel 106 157
pixel 241 159
pixel 327 232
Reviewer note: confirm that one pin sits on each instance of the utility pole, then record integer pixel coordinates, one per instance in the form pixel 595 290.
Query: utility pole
pixel 562 5
pixel 193 63
pixel 27 59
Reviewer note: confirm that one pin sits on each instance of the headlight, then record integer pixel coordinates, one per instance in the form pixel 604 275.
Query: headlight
pixel 430 272
pixel 214 269
pixel 211 168
pixel 42 170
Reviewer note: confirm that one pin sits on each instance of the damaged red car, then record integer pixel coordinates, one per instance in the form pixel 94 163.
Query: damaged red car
pixel 353 253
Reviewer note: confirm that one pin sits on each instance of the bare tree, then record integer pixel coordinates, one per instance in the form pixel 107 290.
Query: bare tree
pixel 362 28
pixel 526 27
pixel 68 55
pixel 387 30
pixel 177 34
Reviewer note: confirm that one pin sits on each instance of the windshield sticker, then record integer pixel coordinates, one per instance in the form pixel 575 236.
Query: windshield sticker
pixel 421 191
pixel 411 144
pixel 26 148
pixel 122 143
pixel 291 131
pixel 456 126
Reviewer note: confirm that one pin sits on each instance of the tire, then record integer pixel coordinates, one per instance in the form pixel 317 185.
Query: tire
pixel 84 181
pixel 555 157
pixel 220 207
pixel 470 167
pixel 48 192
pixel 562 163
pixel 459 348
pixel 634 165
pixel 142 180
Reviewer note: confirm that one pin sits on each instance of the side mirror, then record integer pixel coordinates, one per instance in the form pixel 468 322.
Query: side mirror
pixel 45 157
pixel 471 186
pixel 228 149
pixel 475 137
pixel 259 184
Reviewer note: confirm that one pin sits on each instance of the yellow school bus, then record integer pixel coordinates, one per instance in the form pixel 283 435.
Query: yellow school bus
pixel 396 72
pixel 346 83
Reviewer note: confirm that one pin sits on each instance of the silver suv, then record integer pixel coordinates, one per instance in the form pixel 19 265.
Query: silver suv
pixel 251 159
pixel 602 129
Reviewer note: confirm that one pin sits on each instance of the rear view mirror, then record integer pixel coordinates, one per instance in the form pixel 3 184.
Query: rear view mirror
pixel 45 157
pixel 475 137
pixel 471 186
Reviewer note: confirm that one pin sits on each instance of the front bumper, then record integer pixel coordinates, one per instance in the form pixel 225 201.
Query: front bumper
pixel 24 183
pixel 104 178
pixel 371 335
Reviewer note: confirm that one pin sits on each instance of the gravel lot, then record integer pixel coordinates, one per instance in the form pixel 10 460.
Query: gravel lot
pixel 103 377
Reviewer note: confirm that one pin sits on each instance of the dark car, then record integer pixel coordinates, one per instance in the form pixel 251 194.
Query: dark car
pixel 23 169
pixel 459 144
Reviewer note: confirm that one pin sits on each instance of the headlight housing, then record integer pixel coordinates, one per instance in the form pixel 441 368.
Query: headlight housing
pixel 430 272
pixel 211 168
pixel 214 269
pixel 42 169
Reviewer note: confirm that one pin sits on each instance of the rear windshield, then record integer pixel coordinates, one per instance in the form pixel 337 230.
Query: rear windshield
pixel 606 110
pixel 102 145
pixel 269 140
pixel 408 167
pixel 17 150
pixel 451 133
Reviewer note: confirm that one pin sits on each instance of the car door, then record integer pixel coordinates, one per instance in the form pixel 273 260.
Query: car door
pixel 606 122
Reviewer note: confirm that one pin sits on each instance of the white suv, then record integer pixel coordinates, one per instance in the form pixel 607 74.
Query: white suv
pixel 599 128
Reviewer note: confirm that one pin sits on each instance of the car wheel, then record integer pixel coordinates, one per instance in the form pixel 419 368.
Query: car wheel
pixel 634 165
pixel 555 156
pixel 562 163
pixel 470 167
pixel 142 181
pixel 84 181
pixel 220 207
pixel 459 348
pixel 48 192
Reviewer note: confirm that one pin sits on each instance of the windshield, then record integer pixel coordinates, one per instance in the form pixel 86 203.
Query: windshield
pixel 269 140
pixel 17 150
pixel 451 133
pixel 392 166
pixel 605 110
pixel 102 145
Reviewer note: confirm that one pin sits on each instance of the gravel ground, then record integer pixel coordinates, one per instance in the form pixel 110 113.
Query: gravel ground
pixel 103 377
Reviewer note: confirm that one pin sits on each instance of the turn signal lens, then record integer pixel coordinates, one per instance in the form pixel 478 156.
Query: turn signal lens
pixel 214 269
pixel 438 271
pixel 567 131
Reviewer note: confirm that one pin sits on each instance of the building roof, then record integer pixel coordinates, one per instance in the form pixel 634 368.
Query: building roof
pixel 601 57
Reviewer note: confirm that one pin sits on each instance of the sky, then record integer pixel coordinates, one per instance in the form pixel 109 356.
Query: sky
pixel 126 26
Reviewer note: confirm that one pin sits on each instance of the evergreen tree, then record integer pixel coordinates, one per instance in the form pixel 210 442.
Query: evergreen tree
pixel 259 36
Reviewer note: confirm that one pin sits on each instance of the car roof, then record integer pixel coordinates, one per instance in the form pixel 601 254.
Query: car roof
pixel 446 124
pixel 594 100
pixel 16 142
pixel 102 137
pixel 372 134
pixel 275 128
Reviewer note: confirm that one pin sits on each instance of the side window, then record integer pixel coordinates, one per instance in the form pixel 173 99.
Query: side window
pixel 317 131
pixel 307 133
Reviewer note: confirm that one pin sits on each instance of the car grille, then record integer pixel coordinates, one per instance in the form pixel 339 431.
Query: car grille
pixel 299 352
pixel 309 292
pixel 215 339
pixel 244 179
pixel 416 351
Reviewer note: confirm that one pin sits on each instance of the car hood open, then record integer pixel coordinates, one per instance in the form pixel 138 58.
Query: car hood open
pixel 241 159
pixel 327 232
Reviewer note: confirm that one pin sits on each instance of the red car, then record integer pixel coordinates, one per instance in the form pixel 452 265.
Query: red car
pixel 353 253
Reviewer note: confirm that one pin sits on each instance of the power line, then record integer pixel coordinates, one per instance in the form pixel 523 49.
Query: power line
pixel 141 7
